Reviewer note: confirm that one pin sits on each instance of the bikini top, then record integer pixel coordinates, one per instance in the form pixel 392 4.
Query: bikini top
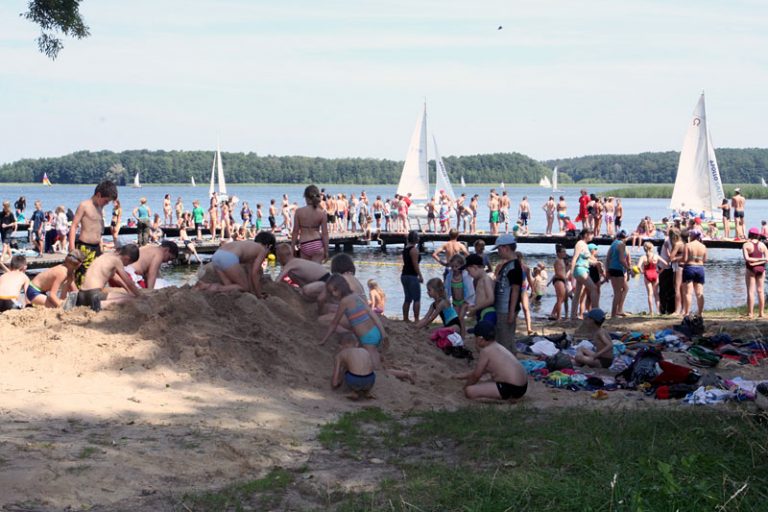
pixel 358 314
pixel 448 314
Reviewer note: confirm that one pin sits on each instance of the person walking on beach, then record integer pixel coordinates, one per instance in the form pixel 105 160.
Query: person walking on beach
pixel 89 218
pixel 411 277
pixel 737 202
pixel 755 256
pixel 143 216
pixel 618 263
pixel 310 228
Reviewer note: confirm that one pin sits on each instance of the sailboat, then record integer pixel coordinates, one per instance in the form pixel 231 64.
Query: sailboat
pixel 46 181
pixel 544 182
pixel 698 187
pixel 463 185
pixel 136 183
pixel 554 179
pixel 762 181
pixel 442 182
pixel 217 171
pixel 193 181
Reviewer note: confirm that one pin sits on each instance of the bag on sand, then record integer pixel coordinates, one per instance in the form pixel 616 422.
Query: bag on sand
pixel 643 368
pixel 559 361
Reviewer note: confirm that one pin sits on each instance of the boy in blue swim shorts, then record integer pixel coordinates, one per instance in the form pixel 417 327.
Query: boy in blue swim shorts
pixel 353 366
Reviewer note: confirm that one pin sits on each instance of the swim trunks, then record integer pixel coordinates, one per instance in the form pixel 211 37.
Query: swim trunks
pixel 693 274
pixel 372 337
pixel 615 272
pixel 487 314
pixel 91 252
pixel 91 298
pixel 524 218
pixel 359 382
pixel 508 391
pixel 494 217
pixel 271 220
pixel 222 260
pixel 7 304
pixel 33 292
pixel 738 214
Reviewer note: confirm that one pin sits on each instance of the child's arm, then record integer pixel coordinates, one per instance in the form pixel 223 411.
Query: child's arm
pixel 437 253
pixel 256 274
pixel 335 322
pixel 127 282
pixel 429 317
pixel 474 376
pixel 54 293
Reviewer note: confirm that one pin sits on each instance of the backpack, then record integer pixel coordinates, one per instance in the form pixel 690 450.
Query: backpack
pixel 559 361
pixel 643 368
pixel 692 325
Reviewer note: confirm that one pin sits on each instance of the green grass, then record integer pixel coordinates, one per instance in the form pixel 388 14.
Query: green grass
pixel 261 494
pixel 665 191
pixel 495 459
pixel 87 452
pixel 348 431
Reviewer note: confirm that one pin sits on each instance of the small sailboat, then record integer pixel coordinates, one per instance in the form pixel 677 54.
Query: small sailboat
pixel 193 181
pixel 698 187
pixel 136 183
pixel 463 184
pixel 502 185
pixel 217 172
pixel 762 181
pixel 48 183
pixel 442 182
pixel 554 179
pixel 544 182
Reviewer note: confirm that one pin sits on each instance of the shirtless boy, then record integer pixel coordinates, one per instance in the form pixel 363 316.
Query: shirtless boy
pixel 483 309
pixel 602 356
pixel 354 366
pixel 228 263
pixel 47 287
pixel 89 217
pixel 13 282
pixel 509 380
pixel 151 258
pixel 104 268
pixel 298 270
pixel 451 248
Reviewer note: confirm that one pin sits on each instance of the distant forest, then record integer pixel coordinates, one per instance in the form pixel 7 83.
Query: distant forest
pixel 84 167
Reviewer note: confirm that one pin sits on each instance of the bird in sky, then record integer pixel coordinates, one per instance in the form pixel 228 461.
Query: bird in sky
pixel 500 27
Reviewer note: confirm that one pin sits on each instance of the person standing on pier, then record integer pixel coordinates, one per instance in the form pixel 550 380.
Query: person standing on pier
pixel 167 215
pixel 114 224
pixel 493 206
pixel 524 211
pixel 549 212
pixel 504 206
pixel 562 213
pixel 583 215
pixel 89 218
pixel 737 202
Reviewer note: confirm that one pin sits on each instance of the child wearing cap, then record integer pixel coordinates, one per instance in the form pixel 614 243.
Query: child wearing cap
pixel 509 380
pixel 602 356
pixel 507 290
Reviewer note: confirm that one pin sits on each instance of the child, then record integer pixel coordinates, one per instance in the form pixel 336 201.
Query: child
pixel 441 306
pixel 13 283
pixel 62 229
pixel 570 227
pixel 602 356
pixel 461 289
pixel 185 223
pixel 259 217
pixel 560 283
pixel 198 215
pixel 524 292
pixel 596 274
pixel 510 381
pixel 47 287
pixel 540 279
pixel 104 268
pixel 479 247
pixel 87 228
pixel 712 232
pixel 357 367
pixel 483 309
pixel 649 266
pixel 378 297
pixel 228 262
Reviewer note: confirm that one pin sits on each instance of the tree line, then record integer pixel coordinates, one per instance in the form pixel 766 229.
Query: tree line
pixel 85 167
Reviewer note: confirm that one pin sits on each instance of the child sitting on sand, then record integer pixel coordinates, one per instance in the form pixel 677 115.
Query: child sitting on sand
pixel 510 381
pixel 602 356
pixel 354 366
pixel 13 283
pixel 441 306
pixel 47 287
pixel 378 299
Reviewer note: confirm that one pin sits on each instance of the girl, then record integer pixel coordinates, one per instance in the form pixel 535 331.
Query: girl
pixel 524 291
pixel 167 216
pixel 559 281
pixel 755 255
pixel 179 211
pixel 580 272
pixel 186 222
pixel 460 287
pixel 62 229
pixel 440 306
pixel 410 277
pixel 213 214
pixel 649 266
pixel 310 228
pixel 596 274
pixel 7 227
pixel 378 298
pixel 725 206
pixel 114 225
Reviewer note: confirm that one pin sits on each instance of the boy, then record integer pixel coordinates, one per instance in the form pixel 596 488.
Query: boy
pixel 38 224
pixel 479 247
pixel 151 258
pixel 89 217
pixel 104 268
pixel 299 271
pixel 507 290
pixel 46 287
pixel 12 283
pixel 510 381
pixel 356 365
pixel 198 215
pixel 450 248
pixel 483 309
pixel 228 263
pixel 602 356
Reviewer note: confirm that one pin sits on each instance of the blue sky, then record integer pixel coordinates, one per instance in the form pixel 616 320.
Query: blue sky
pixel 347 78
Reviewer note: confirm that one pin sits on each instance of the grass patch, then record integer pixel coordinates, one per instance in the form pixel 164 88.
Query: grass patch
pixel 261 494
pixel 665 191
pixel 87 452
pixel 351 428
pixel 516 459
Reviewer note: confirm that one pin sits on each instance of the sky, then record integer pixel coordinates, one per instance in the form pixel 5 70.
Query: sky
pixel 339 78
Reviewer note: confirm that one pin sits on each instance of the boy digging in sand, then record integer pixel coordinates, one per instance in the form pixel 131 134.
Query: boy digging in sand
pixel 12 283
pixel 104 268
pixel 510 381
pixel 47 286
pixel 354 366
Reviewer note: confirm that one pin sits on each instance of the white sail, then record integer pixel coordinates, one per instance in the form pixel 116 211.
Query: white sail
pixel 502 184
pixel 193 181
pixel 762 181
pixel 698 186
pixel 462 182
pixel 544 182
pixel 136 183
pixel 222 183
pixel 442 182
pixel 554 179
pixel 415 176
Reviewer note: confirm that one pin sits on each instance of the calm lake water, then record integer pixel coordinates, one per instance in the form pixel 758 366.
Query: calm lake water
pixel 725 269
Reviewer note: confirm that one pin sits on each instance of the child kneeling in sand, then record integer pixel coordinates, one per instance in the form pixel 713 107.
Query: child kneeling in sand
pixel 509 382
pixel 357 367
pixel 602 356
pixel 98 275
pixel 441 306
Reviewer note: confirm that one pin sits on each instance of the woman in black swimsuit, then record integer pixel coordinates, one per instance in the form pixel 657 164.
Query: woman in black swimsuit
pixel 726 207
pixel 559 281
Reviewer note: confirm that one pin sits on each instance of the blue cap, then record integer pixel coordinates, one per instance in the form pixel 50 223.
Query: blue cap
pixel 505 239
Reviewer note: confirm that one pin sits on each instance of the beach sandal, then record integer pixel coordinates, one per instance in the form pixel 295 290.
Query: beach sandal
pixel 599 395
